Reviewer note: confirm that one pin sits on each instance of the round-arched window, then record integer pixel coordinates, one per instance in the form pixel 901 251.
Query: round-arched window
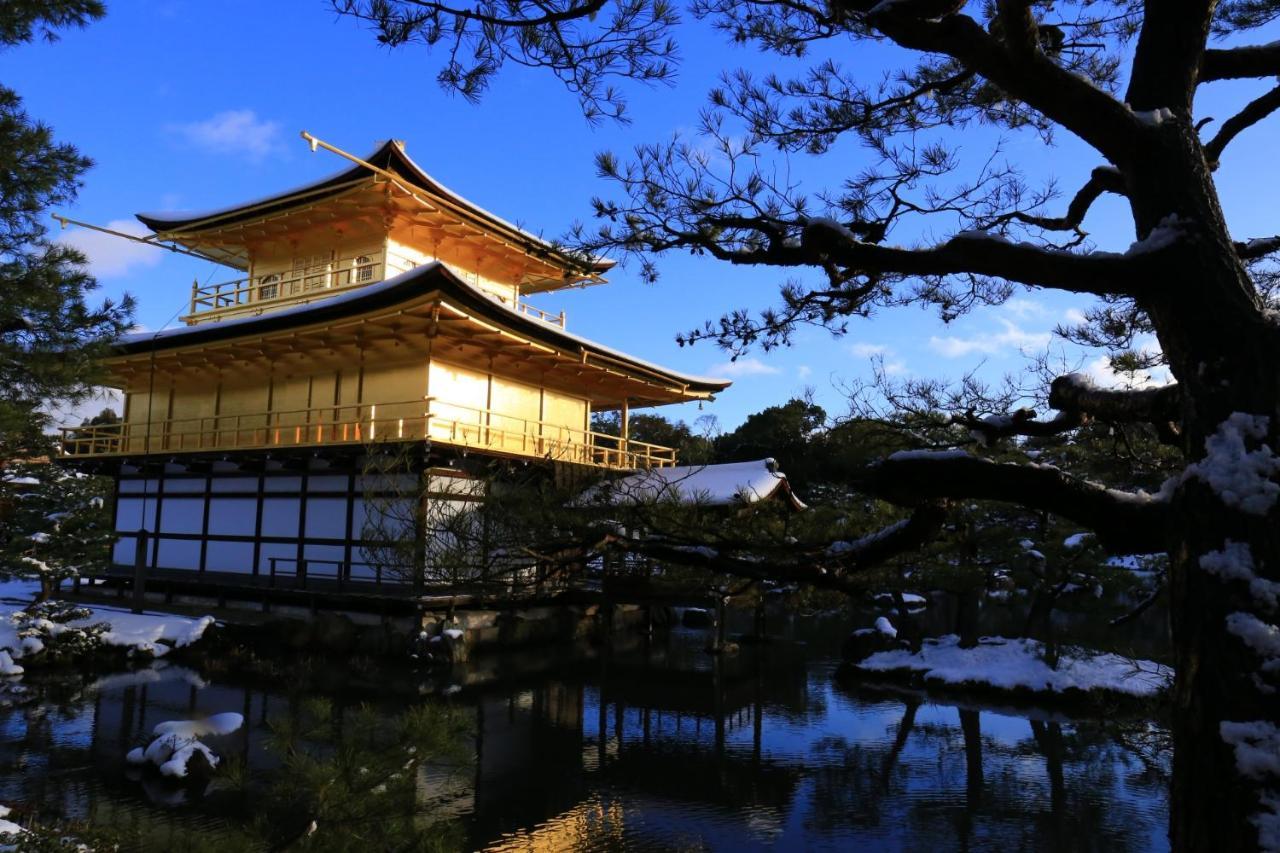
pixel 269 286
pixel 364 268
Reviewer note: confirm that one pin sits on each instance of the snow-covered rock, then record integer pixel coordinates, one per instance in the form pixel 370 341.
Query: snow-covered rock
pixel 177 742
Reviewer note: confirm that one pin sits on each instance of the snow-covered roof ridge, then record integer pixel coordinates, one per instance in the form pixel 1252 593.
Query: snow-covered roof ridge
pixel 724 484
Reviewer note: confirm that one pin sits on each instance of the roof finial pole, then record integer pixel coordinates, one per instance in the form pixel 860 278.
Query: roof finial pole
pixel 315 142
pixel 153 240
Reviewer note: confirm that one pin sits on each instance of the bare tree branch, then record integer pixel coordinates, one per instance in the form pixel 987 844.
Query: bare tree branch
pixel 1031 76
pixel 1238 62
pixel 1122 521
pixel 831 566
pixel 1254 112
pixel 1104 179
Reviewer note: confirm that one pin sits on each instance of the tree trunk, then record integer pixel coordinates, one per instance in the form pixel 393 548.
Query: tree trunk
pixel 1224 352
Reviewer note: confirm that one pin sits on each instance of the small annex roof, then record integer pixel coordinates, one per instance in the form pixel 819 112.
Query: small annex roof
pixel 389 156
pixel 420 287
pixel 725 484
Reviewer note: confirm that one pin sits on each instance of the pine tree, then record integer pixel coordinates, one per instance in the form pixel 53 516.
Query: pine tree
pixel 49 333
pixel 1120 76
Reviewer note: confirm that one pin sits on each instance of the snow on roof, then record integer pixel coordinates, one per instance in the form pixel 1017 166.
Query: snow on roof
pixel 327 302
pixel 727 484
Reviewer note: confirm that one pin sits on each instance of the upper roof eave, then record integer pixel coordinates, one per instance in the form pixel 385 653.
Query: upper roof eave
pixel 393 292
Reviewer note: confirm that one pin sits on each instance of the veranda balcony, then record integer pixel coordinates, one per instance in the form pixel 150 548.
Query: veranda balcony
pixel 432 420
pixel 258 294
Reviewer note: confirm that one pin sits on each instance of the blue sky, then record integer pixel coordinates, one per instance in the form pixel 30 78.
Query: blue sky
pixel 192 105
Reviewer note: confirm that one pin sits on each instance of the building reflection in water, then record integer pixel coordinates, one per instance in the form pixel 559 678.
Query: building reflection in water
pixel 658 748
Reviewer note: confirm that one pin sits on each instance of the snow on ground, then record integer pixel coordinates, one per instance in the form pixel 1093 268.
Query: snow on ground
pixel 154 633
pixel 8 827
pixel 911 599
pixel 1013 664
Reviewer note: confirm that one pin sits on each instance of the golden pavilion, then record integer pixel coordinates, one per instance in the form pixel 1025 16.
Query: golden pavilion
pixel 375 306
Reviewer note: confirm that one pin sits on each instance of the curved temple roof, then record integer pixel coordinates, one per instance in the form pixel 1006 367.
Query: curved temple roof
pixel 389 156
pixel 419 285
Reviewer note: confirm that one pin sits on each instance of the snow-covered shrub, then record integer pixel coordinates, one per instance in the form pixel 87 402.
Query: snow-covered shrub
pixel 43 628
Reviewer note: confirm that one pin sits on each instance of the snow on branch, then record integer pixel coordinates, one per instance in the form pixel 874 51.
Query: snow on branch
pixel 990 429
pixel 1076 392
pixel 1123 521
pixel 1258 247
pixel 1238 465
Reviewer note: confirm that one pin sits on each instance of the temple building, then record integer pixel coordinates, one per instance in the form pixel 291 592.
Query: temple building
pixel 376 309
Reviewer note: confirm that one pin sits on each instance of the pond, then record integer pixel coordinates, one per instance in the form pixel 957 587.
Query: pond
pixel 659 746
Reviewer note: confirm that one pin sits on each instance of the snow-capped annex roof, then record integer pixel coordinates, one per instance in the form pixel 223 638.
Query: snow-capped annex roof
pixel 725 484
pixel 421 288
pixel 183 226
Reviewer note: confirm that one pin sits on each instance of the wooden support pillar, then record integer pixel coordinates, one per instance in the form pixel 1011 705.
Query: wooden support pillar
pixel 625 429
pixel 721 613
pixel 140 571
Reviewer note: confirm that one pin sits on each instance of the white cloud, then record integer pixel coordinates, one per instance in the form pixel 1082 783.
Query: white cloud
pixel 1074 316
pixel 1013 337
pixel 867 350
pixel 1104 375
pixel 238 132
pixel 804 371
pixel 743 367
pixel 110 256
pixel 1022 308
pixel 895 368
pixel 91 406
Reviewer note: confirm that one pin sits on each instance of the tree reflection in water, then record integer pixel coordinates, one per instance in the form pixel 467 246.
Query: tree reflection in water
pixel 658 748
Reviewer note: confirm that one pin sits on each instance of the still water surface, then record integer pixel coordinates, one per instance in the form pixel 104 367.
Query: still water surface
pixel 660 747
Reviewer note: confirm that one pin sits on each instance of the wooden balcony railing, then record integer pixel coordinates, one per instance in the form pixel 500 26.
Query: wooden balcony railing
pixel 300 286
pixel 430 419
pixel 260 293
pixel 539 314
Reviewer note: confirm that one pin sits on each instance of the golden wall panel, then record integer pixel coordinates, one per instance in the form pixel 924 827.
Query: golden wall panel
pixel 564 410
pixel 290 396
pixel 394 383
